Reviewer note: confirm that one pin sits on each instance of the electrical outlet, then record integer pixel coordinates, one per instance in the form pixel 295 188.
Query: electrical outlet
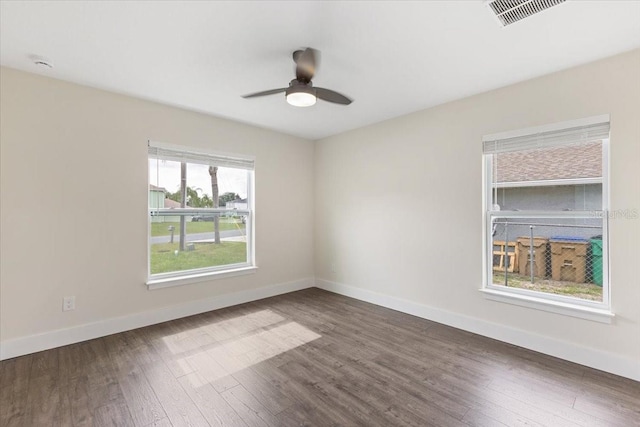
pixel 333 267
pixel 68 303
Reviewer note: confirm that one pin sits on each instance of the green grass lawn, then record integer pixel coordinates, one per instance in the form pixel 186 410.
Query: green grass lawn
pixel 588 291
pixel 164 257
pixel 162 228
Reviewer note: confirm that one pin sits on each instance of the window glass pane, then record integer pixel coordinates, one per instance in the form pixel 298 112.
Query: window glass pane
pixel 190 241
pixel 561 256
pixel 581 197
pixel 200 249
pixel 165 175
pixel 549 178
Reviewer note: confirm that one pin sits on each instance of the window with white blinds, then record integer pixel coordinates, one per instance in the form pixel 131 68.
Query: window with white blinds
pixel 546 201
pixel 544 138
pixel 176 153
pixel 200 211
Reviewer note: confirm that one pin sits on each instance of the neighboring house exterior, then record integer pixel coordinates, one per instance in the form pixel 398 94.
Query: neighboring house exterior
pixel 157 199
pixel 156 196
pixel 240 204
pixel 551 180
pixel 171 204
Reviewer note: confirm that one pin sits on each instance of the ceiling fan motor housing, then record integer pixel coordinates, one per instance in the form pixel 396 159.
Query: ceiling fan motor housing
pixel 296 87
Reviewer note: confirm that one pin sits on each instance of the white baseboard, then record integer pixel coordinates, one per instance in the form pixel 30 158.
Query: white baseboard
pixel 44 341
pixel 593 358
pixel 590 357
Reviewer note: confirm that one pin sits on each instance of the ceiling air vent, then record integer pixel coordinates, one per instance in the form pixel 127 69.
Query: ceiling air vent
pixel 510 11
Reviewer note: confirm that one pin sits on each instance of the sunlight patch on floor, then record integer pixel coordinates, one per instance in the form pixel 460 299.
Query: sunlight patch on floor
pixel 220 331
pixel 215 365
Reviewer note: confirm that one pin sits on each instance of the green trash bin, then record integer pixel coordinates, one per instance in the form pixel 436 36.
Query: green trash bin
pixel 596 259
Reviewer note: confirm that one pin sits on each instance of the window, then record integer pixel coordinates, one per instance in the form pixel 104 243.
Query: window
pixel 200 213
pixel 546 206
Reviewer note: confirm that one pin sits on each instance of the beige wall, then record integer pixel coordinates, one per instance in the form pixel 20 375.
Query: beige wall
pixel 74 202
pixel 65 149
pixel 399 203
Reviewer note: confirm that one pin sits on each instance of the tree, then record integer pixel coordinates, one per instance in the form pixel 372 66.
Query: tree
pixel 176 197
pixel 206 201
pixel 213 172
pixel 194 199
pixel 228 197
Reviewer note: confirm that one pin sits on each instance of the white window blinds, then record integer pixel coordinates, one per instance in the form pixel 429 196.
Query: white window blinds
pixel 179 154
pixel 569 133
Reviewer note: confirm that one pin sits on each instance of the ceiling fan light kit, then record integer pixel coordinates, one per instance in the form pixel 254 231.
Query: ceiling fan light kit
pixel 301 92
pixel 301 96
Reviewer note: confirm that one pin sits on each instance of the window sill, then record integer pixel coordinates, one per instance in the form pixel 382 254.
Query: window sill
pixel 588 313
pixel 197 278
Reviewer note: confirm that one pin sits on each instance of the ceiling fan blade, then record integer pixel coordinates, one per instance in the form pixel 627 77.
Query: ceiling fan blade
pixel 306 62
pixel 264 93
pixel 332 96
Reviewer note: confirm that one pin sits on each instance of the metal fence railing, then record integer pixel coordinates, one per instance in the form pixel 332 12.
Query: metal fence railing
pixel 553 255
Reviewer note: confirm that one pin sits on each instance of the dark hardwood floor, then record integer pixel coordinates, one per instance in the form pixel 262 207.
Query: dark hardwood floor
pixel 308 358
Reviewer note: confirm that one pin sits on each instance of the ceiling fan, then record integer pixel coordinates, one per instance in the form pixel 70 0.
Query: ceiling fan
pixel 301 92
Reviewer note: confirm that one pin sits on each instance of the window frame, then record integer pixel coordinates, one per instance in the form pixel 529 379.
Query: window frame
pixel 592 310
pixel 182 277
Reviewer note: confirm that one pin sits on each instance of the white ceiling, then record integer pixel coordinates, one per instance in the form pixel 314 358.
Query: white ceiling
pixel 392 58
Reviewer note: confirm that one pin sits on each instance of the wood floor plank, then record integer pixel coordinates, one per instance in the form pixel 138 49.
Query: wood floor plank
pixel 609 410
pixel 43 401
pixel 14 390
pixel 157 349
pixel 599 386
pixel 102 383
pixel 45 363
pixel 114 414
pixel 541 416
pixel 307 399
pixel 186 337
pixel 377 393
pixel 143 404
pixel 80 402
pixel 302 415
pixel 252 412
pixel 214 373
pixel 178 406
pixel 63 415
pixel 211 404
pixel 268 395
pixel 308 358
pixel 563 406
pixel 611 384
pixel 478 419
pixel 411 372
pixel 164 422
pixel 419 402
pixel 495 416
pixel 322 388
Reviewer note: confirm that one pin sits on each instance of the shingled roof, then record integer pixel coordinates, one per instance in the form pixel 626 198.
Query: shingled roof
pixel 172 204
pixel 570 162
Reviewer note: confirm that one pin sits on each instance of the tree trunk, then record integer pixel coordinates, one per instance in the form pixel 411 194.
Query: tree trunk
pixel 183 204
pixel 213 171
